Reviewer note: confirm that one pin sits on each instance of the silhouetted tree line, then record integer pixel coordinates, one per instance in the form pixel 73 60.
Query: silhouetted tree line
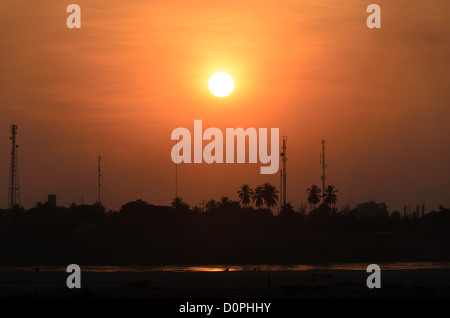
pixel 222 232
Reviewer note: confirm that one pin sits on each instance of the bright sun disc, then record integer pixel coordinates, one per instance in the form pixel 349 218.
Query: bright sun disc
pixel 221 84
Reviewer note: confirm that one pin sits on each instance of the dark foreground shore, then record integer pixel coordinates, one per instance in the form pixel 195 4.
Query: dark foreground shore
pixel 261 284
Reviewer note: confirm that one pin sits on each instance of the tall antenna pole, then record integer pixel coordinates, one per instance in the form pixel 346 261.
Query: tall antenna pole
pixel 324 165
pixel 281 185
pixel 99 175
pixel 283 154
pixel 176 171
pixel 13 189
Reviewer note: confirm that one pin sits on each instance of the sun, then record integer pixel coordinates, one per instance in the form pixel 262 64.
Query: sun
pixel 221 84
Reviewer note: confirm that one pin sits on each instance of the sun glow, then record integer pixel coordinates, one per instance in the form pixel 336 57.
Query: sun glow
pixel 221 84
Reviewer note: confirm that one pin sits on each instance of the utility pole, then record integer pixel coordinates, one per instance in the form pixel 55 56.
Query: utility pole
pixel 99 158
pixel 324 165
pixel 13 189
pixel 281 188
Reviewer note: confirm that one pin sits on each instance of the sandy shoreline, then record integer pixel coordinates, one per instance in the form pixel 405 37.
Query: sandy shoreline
pixel 260 284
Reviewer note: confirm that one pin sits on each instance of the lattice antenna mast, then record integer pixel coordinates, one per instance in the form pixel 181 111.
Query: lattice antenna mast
pixel 13 189
pixel 324 165
pixel 99 176
pixel 176 171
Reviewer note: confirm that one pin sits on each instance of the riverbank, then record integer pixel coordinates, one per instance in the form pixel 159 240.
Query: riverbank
pixel 227 284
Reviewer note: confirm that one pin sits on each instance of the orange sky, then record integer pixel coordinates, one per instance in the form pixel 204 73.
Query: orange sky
pixel 118 86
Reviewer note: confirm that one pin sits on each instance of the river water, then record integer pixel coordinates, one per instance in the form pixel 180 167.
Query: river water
pixel 217 268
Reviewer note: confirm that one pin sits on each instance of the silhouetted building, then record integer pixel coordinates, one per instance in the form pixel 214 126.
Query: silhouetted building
pixel 52 199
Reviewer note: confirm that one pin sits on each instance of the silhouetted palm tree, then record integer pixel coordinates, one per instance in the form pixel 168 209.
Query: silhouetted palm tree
pixel 196 210
pixel 178 204
pixel 224 200
pixel 211 205
pixel 258 196
pixel 286 210
pixel 270 195
pixel 330 196
pixel 313 193
pixel 245 194
pixel 226 204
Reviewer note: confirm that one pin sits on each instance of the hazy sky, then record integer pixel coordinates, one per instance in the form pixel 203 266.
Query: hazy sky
pixel 136 70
